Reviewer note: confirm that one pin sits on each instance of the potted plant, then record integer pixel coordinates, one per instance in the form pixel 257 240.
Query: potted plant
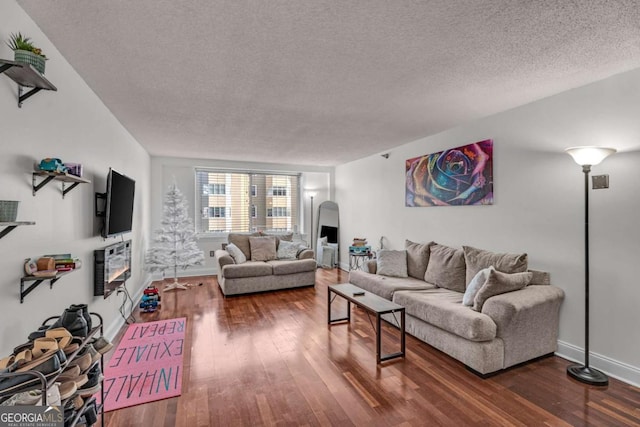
pixel 25 52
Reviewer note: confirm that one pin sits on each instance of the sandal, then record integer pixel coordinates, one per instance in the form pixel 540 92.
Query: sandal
pixel 61 335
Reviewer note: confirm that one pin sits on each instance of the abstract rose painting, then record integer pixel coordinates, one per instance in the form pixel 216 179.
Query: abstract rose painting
pixel 455 177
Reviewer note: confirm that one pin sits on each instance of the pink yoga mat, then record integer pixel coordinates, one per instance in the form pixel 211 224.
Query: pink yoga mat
pixel 146 365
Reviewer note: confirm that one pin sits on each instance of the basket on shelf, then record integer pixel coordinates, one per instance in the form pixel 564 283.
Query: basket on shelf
pixel 26 57
pixel 8 210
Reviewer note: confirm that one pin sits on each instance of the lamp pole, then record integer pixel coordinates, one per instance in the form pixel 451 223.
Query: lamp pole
pixel 586 157
pixel 311 227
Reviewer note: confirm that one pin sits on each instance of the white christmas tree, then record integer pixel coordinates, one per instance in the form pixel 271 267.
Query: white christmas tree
pixel 175 243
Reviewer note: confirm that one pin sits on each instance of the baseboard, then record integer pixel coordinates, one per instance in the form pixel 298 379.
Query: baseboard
pixel 615 369
pixel 112 330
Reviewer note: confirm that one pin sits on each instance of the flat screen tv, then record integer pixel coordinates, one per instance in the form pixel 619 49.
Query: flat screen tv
pixel 119 204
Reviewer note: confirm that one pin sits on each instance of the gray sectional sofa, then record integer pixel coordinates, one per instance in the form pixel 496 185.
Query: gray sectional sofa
pixel 501 329
pixel 266 274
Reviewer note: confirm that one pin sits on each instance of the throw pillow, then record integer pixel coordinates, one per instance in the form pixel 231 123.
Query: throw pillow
pixel 236 253
pixel 474 286
pixel 446 268
pixel 263 248
pixel 288 250
pixel 417 258
pixel 477 259
pixel 500 283
pixel 241 240
pixel 542 278
pixel 392 263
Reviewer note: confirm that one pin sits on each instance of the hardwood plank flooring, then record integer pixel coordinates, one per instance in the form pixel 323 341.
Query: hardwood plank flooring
pixel 271 359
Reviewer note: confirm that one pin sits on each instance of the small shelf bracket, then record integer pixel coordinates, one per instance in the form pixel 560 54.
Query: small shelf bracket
pixel 69 182
pixel 26 77
pixel 10 226
pixel 23 96
pixel 36 281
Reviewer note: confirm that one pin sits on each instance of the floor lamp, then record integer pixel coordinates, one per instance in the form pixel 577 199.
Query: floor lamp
pixel 311 194
pixel 587 157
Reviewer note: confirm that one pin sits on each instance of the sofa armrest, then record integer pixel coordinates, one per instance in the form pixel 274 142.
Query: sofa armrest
pixel 527 320
pixel 306 254
pixel 222 258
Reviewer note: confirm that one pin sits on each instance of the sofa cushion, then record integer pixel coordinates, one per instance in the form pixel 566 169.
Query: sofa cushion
pixel 385 286
pixel 477 259
pixel 287 250
pixel 235 252
pixel 281 267
pixel 443 308
pixel 500 283
pixel 263 248
pixel 446 268
pixel 392 263
pixel 287 237
pixel 248 269
pixel 241 240
pixel 474 286
pixel 417 258
pixel 540 277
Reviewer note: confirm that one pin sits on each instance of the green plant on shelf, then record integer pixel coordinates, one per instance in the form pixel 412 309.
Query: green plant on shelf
pixel 20 42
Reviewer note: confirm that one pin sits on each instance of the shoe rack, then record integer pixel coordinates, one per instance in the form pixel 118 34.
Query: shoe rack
pixel 97 330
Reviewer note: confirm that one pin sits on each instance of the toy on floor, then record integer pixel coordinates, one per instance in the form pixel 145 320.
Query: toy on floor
pixel 150 299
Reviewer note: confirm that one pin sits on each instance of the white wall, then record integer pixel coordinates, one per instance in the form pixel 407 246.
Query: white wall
pixel 538 208
pixel 74 125
pixel 164 170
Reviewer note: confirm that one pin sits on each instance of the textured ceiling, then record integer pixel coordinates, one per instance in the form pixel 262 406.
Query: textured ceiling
pixel 324 82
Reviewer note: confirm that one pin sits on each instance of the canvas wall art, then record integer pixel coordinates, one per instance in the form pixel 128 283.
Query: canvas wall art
pixel 456 177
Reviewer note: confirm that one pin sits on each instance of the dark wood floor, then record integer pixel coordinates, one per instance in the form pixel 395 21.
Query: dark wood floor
pixel 268 359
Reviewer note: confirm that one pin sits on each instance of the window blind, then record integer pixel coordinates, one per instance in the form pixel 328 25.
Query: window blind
pixel 231 201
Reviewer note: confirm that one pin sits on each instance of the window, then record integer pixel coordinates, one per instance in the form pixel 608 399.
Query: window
pixel 214 212
pixel 213 189
pixel 234 201
pixel 277 191
pixel 278 211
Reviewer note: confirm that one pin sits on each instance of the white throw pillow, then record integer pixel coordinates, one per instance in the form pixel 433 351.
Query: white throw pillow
pixel 235 252
pixel 392 263
pixel 288 250
pixel 474 285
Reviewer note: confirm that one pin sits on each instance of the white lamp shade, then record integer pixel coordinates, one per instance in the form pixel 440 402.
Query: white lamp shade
pixel 589 155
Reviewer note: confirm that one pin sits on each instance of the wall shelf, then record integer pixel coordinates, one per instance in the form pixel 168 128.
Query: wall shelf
pixel 37 280
pixel 25 76
pixel 9 226
pixel 64 177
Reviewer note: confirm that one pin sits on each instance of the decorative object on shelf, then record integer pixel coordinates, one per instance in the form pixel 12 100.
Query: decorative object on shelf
pixel 175 243
pixel 455 177
pixel 8 210
pixel 25 52
pixel 44 268
pixel 52 164
pixel 587 157
pixel 74 168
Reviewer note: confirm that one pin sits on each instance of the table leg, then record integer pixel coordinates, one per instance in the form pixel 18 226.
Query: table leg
pixel 329 306
pixel 402 337
pixel 378 339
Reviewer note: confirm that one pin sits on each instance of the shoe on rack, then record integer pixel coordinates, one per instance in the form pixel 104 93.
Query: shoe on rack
pixel 84 309
pixel 93 385
pixel 102 345
pixel 95 356
pixel 48 365
pixel 73 320
pixel 90 413
pixel 83 362
pixel 34 397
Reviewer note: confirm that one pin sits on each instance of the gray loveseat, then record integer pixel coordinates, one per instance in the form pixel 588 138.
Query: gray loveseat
pixel 263 275
pixel 509 328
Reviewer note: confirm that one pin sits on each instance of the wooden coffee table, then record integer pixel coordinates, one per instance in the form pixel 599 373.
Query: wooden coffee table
pixel 372 303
